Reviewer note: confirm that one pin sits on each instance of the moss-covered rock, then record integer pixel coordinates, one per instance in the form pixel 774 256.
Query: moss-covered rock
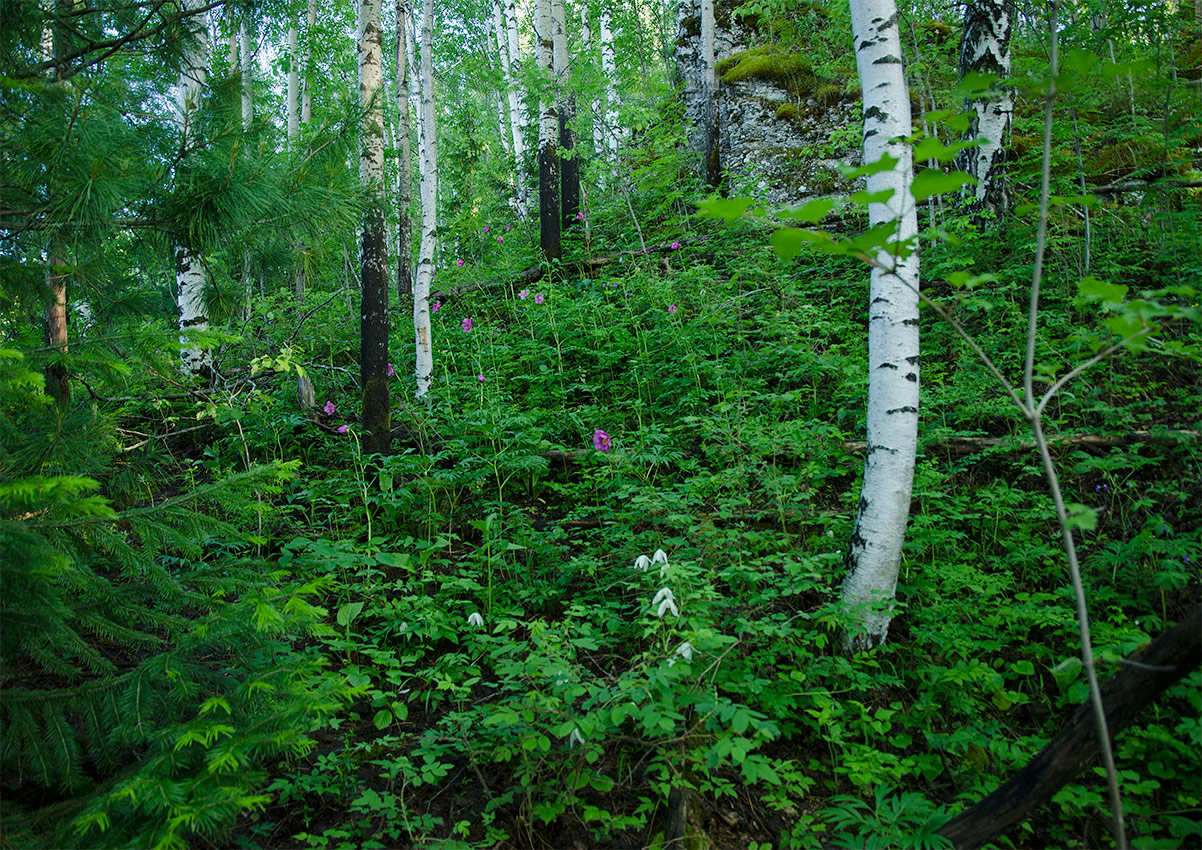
pixel 769 63
pixel 787 112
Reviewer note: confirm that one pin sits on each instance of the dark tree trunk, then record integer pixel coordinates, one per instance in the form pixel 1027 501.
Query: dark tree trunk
pixel 1143 676
pixel 570 165
pixel 548 202
pixel 373 345
pixel 404 230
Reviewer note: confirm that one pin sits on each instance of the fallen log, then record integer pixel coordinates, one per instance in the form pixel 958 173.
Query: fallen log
pixel 1143 676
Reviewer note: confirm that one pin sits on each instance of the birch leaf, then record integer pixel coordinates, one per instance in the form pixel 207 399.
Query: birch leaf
pixel 931 181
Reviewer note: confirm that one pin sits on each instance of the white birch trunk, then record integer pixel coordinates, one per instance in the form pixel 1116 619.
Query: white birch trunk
pixel 711 167
pixel 189 271
pixel 404 189
pixel 985 49
pixel 609 66
pixel 248 79
pixel 517 107
pixel 306 109
pixel 876 542
pixel 424 369
pixel 293 85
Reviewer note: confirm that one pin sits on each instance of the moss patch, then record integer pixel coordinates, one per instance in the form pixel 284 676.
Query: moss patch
pixel 770 64
pixel 787 112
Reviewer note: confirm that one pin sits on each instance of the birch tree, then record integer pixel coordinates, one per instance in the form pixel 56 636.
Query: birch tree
pixel 548 142
pixel 985 50
pixel 306 107
pixel 404 191
pixel 54 48
pixel 609 67
pixel 373 324
pixel 424 369
pixel 709 94
pixel 190 276
pixel 884 506
pixel 569 168
pixel 508 48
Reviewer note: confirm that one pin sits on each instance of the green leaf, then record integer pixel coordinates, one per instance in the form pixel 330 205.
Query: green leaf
pixel 348 612
pixel 932 147
pixel 601 783
pixel 885 163
pixel 812 211
pixel 865 197
pixel 1093 289
pixel 931 181
pixel 728 209
pixel 1081 516
pixel 1024 667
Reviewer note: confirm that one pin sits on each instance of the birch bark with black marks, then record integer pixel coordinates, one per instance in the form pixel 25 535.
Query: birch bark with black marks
pixel 609 67
pixel 712 162
pixel 404 190
pixel 985 49
pixel 884 507
pixel 518 120
pixel 548 143
pixel 428 167
pixel 190 278
pixel 569 165
pixel 373 315
pixel 306 109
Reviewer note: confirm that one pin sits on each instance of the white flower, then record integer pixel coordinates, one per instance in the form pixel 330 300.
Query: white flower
pixel 574 737
pixel 666 602
pixel 474 619
pixel 642 562
pixel 660 557
pixel 685 651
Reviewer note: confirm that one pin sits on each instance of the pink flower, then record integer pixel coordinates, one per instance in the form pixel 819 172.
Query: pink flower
pixel 675 246
pixel 500 238
pixel 523 294
pixel 480 378
pixel 459 263
pixel 328 410
pixel 486 228
pixel 671 309
pixel 467 325
pixel 342 429
pixel 509 227
pixel 580 216
pixel 391 371
pixel 600 441
pixel 538 299
pixel 437 304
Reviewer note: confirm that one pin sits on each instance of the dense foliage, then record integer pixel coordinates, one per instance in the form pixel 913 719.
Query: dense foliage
pixel 597 575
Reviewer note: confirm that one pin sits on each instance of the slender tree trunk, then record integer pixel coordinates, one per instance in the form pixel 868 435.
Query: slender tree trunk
pixel 55 46
pixel 304 384
pixel 373 323
pixel 609 65
pixel 712 161
pixel 508 51
pixel 306 110
pixel 404 234
pixel 423 331
pixel 248 79
pixel 190 278
pixel 569 170
pixel 548 144
pixel 985 49
pixel 880 527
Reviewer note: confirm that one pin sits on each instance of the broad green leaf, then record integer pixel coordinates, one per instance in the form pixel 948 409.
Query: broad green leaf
pixel 932 147
pixel 383 719
pixel 348 612
pixel 725 208
pixel 813 211
pixel 1081 516
pixel 1101 290
pixel 931 181
pixel 865 197
pixel 885 163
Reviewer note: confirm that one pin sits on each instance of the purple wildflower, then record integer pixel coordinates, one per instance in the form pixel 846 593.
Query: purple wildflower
pixel 467 325
pixel 459 263
pixel 437 304
pixel 600 441
pixel 486 228
pixel 342 429
pixel 480 378
pixel 671 309
pixel 500 238
pixel 523 294
pixel 391 371
pixel 580 216
pixel 328 410
pixel 675 246
pixel 538 298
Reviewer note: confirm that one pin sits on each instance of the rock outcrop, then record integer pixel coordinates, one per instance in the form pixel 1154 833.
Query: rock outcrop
pixel 782 130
